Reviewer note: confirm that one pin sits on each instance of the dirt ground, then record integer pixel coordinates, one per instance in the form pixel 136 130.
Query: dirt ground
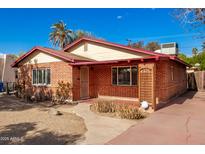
pixel 22 123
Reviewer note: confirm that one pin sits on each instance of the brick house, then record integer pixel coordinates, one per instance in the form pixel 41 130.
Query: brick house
pixel 97 68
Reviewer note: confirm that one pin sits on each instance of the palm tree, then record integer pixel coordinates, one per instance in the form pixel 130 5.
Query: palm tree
pixel 194 51
pixel 60 35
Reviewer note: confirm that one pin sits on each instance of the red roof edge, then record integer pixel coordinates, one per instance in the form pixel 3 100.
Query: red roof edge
pixel 156 58
pixel 47 51
pixel 115 61
pixel 111 44
pixel 175 58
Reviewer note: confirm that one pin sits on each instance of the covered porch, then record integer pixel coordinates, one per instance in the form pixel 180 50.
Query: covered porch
pixel 131 80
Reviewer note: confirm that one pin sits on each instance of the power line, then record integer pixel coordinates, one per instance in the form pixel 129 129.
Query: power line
pixel 166 36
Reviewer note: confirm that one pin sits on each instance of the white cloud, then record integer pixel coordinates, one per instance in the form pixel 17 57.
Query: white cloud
pixel 119 17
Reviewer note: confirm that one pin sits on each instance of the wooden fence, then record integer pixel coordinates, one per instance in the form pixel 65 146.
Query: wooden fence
pixel 196 80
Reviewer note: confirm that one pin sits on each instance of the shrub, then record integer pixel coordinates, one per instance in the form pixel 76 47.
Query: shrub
pixel 104 106
pixel 130 112
pixel 19 90
pixel 63 92
pixel 123 110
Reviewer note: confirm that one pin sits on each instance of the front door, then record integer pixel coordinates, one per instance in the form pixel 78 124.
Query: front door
pixel 84 82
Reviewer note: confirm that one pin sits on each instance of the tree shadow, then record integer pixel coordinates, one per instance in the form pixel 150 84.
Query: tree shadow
pixel 12 134
pixel 25 88
pixel 16 134
pixel 50 138
pixel 191 81
pixel 11 103
pixel 178 100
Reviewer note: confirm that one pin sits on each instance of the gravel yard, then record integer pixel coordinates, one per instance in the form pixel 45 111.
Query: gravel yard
pixel 22 123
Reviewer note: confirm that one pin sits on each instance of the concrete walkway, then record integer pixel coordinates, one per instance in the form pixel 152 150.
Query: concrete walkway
pixel 181 122
pixel 101 129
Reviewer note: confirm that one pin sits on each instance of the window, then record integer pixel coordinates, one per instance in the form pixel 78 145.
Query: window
pixel 134 75
pixel 114 76
pixel 34 77
pixel 124 75
pixel 48 76
pixel 41 76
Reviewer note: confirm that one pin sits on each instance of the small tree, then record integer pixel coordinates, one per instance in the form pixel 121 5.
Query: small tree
pixel 183 57
pixel 152 46
pixel 138 44
pixel 193 18
pixel 24 84
pixel 82 33
pixel 203 46
pixel 63 92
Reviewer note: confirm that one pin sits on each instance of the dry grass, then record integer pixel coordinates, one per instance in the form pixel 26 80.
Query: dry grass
pixel 119 109
pixel 34 124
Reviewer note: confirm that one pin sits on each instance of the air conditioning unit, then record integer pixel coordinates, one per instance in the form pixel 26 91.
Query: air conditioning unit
pixel 169 48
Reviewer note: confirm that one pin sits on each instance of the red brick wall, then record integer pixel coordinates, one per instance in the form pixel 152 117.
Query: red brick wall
pixel 60 71
pixel 104 86
pixel 165 86
pixel 100 83
pixel 100 79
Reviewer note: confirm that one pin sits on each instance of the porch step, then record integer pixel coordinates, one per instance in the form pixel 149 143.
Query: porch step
pixel 119 98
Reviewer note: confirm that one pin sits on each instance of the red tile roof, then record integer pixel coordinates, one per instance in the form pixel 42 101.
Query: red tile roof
pixel 79 60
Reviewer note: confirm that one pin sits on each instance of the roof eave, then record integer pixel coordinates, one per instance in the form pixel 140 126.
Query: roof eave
pixel 15 64
pixel 175 58
pixel 156 58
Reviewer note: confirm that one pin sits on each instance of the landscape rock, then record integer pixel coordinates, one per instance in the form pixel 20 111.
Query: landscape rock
pixel 69 101
pixel 55 112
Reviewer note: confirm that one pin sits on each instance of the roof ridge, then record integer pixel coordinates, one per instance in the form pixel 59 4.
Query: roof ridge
pixel 139 50
pixel 49 48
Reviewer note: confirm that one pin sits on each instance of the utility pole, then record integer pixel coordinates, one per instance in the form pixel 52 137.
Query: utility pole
pixel 129 41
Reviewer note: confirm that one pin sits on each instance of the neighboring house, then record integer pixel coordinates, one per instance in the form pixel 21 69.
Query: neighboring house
pixel 7 73
pixel 98 68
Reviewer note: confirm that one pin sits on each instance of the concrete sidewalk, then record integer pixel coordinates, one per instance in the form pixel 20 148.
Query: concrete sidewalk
pixel 181 122
pixel 101 129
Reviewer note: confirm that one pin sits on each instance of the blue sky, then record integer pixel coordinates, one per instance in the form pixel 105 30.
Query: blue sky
pixel 21 29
